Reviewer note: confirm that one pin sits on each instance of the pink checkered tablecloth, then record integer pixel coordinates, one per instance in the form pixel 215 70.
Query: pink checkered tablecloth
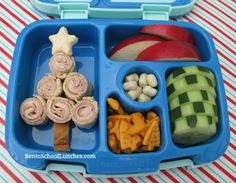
pixel 216 16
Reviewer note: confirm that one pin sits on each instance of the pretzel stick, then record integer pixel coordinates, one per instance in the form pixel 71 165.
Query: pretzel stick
pixel 61 137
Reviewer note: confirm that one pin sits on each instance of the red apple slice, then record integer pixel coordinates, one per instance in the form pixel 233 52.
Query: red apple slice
pixel 170 50
pixel 169 32
pixel 130 48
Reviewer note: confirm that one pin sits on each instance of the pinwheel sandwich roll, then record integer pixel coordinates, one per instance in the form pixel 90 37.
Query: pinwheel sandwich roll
pixel 76 86
pixel 85 113
pixel 49 87
pixel 32 111
pixel 58 109
pixel 61 65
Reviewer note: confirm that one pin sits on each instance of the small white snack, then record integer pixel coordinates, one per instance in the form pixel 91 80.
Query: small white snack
pixel 132 77
pixel 134 94
pixel 142 80
pixel 143 98
pixel 139 89
pixel 152 80
pixel 130 85
pixel 149 91
pixel 63 42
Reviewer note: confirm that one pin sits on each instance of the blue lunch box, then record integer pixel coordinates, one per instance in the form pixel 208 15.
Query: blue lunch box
pixel 101 24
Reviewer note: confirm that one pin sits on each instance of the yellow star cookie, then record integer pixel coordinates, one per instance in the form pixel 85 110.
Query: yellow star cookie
pixel 63 42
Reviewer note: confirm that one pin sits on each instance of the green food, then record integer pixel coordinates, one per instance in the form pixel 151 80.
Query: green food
pixel 189 83
pixel 184 71
pixel 194 108
pixel 192 96
pixel 193 129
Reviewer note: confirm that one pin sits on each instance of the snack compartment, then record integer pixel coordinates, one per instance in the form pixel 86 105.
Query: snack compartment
pixel 116 33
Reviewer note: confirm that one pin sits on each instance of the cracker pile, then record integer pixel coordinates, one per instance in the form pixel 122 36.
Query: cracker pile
pixel 134 132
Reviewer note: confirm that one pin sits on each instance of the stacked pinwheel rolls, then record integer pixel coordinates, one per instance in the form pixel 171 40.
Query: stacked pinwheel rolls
pixel 63 95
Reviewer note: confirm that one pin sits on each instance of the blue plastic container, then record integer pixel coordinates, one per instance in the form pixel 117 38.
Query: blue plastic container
pixel 97 37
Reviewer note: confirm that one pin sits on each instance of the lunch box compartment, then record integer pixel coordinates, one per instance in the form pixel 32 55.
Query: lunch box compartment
pixel 33 65
pixel 115 33
pixel 222 124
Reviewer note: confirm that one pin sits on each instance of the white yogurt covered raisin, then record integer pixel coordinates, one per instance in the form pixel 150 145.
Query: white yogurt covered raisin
pixel 152 80
pixel 149 91
pixel 132 77
pixel 130 85
pixel 134 94
pixel 139 89
pixel 143 98
pixel 142 80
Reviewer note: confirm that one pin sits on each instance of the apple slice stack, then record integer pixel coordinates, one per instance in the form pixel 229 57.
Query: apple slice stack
pixel 158 42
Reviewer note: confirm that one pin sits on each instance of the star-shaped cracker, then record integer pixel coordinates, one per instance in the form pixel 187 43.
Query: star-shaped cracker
pixel 63 42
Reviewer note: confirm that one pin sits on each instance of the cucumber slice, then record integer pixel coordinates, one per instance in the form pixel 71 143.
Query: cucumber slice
pixel 188 83
pixel 193 129
pixel 192 96
pixel 193 109
pixel 184 71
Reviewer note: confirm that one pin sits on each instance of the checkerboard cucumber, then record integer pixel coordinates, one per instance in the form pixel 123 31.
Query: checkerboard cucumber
pixel 189 83
pixel 192 96
pixel 184 71
pixel 194 108
pixel 193 129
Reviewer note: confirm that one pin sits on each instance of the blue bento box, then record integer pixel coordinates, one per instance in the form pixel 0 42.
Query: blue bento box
pixel 100 25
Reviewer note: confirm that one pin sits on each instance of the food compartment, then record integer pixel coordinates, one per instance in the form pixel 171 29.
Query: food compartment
pixel 127 106
pixel 210 103
pixel 33 63
pixel 129 112
pixel 128 42
pixel 140 83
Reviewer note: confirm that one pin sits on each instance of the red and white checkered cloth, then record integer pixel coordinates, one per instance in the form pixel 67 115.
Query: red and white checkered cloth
pixel 217 17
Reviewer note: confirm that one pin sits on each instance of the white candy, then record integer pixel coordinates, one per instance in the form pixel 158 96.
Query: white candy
pixel 132 77
pixel 130 85
pixel 139 89
pixel 143 98
pixel 143 80
pixel 152 80
pixel 149 91
pixel 134 94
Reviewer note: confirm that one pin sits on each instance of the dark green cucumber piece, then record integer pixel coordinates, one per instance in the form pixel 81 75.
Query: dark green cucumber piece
pixel 194 108
pixel 184 71
pixel 194 129
pixel 189 83
pixel 192 96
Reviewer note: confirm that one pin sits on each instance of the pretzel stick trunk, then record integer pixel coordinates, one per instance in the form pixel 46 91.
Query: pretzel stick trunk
pixel 62 137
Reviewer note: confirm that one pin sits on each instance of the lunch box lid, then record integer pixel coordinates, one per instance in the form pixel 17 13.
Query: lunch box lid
pixel 134 9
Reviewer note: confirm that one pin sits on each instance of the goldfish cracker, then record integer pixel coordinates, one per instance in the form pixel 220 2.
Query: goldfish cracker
pixel 115 129
pixel 150 115
pixel 128 143
pixel 119 117
pixel 113 143
pixel 110 125
pixel 138 123
pixel 144 131
pixel 115 106
pixel 152 136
